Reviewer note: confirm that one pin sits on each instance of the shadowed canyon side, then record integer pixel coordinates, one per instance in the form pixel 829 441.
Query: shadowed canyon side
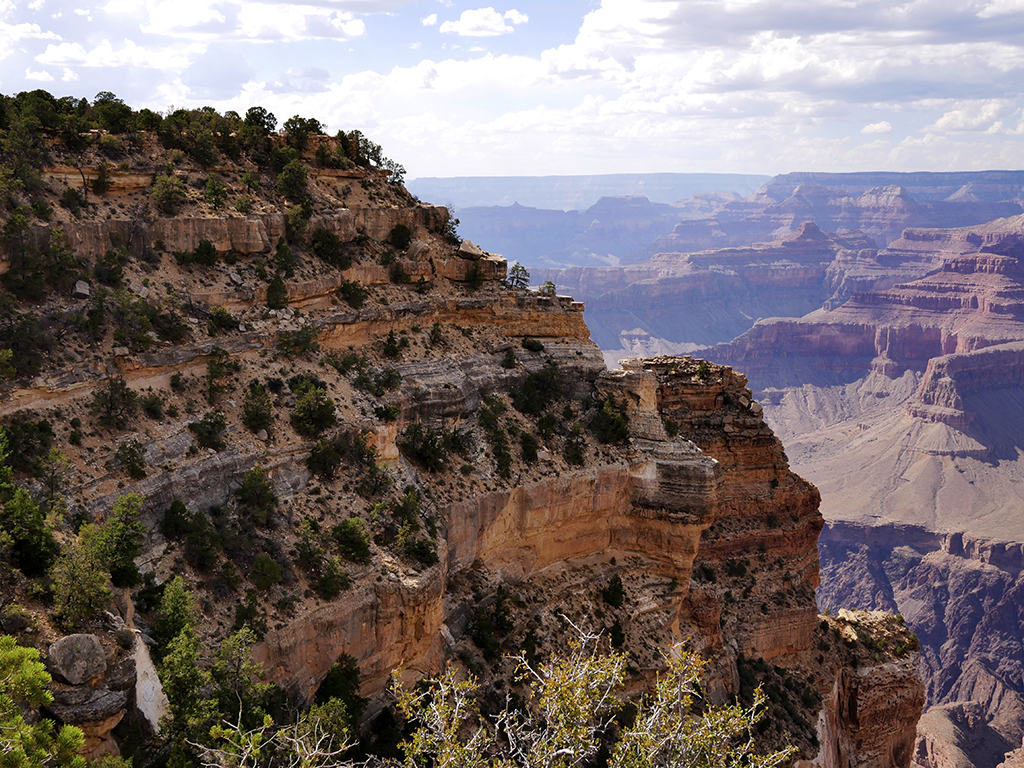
pixel 904 405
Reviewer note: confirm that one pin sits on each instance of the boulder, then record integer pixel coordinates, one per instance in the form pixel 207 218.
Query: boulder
pixel 469 250
pixel 82 290
pixel 76 659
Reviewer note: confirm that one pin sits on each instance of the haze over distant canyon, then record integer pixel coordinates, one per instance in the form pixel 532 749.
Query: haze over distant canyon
pixel 879 318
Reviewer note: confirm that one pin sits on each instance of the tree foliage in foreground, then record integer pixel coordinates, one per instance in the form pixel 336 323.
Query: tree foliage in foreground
pixel 23 681
pixel 571 706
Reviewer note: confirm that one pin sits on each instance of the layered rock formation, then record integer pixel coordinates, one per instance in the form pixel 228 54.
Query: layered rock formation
pixel 710 296
pixel 903 404
pixel 403 393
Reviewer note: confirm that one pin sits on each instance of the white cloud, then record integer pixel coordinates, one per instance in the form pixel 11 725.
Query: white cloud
pixel 42 76
pixel 429 21
pixel 69 76
pixel 105 55
pixel 483 22
pixel 266 21
pixel 881 127
pixel 1001 8
pixel 974 116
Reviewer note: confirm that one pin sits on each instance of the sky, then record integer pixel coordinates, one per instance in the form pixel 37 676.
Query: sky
pixel 451 88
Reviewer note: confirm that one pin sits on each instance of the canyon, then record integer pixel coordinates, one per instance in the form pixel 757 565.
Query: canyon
pixel 882 333
pixel 681 521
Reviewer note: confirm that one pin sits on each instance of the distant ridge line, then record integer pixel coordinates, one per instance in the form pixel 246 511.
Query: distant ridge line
pixel 577 192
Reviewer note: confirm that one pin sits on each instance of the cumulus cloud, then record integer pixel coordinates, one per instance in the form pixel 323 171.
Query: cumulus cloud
pixel 484 22
pixel 429 21
pixel 42 76
pixel 974 116
pixel 129 54
pixel 883 126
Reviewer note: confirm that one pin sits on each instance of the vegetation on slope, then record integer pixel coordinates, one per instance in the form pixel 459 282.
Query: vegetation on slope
pixel 211 363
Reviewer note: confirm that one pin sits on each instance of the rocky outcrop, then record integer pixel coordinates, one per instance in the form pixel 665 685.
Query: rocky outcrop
pixel 961 595
pixel 870 713
pixel 89 694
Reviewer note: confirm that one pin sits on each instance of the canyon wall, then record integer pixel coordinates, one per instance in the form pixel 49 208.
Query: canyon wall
pixel 456 431
pixel 903 404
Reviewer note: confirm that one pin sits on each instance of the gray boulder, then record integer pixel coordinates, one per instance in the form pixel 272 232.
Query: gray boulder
pixel 76 659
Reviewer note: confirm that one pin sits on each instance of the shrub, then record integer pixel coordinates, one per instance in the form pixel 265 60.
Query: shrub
pixel 202 542
pixel 324 459
pixel 575 449
pixel 353 293
pixel 703 370
pixel 266 572
pixel 538 391
pixel 387 413
pixel 221 320
pixel 169 194
pixel 342 682
pixel 436 337
pixel 331 579
pixel 102 183
pixel 121 538
pixel 532 345
pixel 329 248
pixel 176 520
pixel 391 348
pixel 277 293
pixel 291 181
pixel 509 360
pixel 216 192
pixel 257 409
pixel 284 258
pixel 115 403
pixel 257 496
pixel 400 237
pixel 671 428
pixel 378 382
pixel 132 456
pixel 314 412
pixel 80 576
pixel 614 594
pixel 73 200
pixel 153 406
pixel 425 445
pixel 209 430
pixel 206 254
pixel 610 424
pixel 421 550
pixel 528 445
pixel 33 546
pixel 243 204
pixel 109 268
pixel 300 342
pixel 352 540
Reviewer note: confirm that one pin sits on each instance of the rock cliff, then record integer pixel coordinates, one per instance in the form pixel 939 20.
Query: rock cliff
pixel 353 438
pixel 903 405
